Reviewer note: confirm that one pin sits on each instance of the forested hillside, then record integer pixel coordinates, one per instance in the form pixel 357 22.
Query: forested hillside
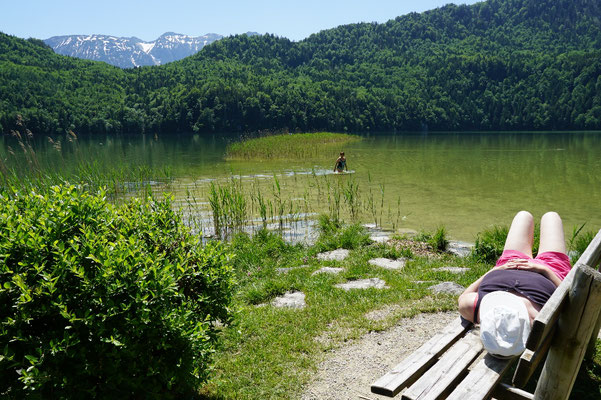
pixel 499 64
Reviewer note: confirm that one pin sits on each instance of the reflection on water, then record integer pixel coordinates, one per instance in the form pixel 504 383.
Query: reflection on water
pixel 464 181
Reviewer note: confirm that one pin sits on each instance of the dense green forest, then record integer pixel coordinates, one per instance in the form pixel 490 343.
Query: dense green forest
pixel 495 65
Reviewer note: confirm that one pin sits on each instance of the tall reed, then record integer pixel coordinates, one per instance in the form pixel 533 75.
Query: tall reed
pixel 228 205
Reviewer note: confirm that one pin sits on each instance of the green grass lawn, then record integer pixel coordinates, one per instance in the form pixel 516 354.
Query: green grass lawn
pixel 270 353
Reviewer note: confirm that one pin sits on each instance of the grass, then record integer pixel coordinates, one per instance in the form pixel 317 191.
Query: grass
pixel 271 353
pixel 288 146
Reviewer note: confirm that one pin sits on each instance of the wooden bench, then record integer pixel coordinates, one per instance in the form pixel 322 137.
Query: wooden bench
pixel 454 365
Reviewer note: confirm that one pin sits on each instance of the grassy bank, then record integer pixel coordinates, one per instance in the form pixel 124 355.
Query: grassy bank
pixel 299 145
pixel 271 352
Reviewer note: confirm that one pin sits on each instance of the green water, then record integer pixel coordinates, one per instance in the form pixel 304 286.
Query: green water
pixel 464 181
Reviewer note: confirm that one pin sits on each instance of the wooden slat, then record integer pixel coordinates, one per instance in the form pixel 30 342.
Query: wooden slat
pixel 483 378
pixel 419 361
pixel 543 327
pixel 573 334
pixel 548 315
pixel 451 366
pixel 530 360
pixel 505 392
pixel 592 344
pixel 591 257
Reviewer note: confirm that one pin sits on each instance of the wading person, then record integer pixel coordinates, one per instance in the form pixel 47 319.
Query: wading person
pixel 507 298
pixel 340 165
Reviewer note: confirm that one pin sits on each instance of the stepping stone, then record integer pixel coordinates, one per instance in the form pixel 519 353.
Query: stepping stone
pixel 388 263
pixel 454 270
pixel 288 269
pixel 328 270
pixel 363 284
pixel 407 231
pixel 290 300
pixel 447 287
pixel 460 249
pixel 334 255
pixel 380 238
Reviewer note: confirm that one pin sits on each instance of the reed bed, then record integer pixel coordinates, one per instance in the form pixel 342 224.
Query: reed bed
pixel 288 204
pixel 299 145
pixel 21 168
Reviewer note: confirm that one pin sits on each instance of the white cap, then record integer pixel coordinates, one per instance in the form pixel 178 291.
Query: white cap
pixel 504 324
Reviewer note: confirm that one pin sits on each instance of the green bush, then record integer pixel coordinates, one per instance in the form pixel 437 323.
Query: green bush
pixel 104 301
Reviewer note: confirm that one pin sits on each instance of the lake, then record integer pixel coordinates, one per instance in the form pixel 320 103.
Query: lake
pixel 465 182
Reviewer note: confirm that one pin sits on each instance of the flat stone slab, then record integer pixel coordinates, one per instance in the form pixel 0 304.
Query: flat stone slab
pixel 460 249
pixel 379 238
pixel 288 269
pixel 407 231
pixel 334 255
pixel 454 270
pixel 328 270
pixel 388 263
pixel 363 284
pixel 447 287
pixel 290 300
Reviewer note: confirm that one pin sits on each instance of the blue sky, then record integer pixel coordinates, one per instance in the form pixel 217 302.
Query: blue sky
pixel 148 19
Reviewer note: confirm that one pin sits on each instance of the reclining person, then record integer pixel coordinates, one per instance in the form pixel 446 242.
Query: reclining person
pixel 507 298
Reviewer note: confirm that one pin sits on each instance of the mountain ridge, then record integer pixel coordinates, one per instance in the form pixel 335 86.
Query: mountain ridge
pixel 128 52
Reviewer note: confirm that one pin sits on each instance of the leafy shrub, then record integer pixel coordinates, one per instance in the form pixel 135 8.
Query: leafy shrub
pixel 104 301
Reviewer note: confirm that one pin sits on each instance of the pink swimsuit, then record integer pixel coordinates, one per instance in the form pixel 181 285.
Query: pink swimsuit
pixel 557 262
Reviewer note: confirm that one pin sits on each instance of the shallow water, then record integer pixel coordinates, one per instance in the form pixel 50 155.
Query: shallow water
pixel 464 181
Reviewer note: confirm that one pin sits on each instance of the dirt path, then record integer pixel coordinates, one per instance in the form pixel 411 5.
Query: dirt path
pixel 348 372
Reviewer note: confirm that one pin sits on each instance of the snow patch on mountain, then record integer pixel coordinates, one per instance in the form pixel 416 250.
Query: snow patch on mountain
pixel 130 52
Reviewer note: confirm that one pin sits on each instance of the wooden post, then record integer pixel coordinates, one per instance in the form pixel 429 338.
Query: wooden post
pixel 592 257
pixel 574 330
pixel 590 351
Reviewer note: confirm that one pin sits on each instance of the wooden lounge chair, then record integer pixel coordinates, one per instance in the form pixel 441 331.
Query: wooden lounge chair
pixel 453 364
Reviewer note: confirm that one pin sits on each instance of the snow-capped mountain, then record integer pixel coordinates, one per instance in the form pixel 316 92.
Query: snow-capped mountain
pixel 130 52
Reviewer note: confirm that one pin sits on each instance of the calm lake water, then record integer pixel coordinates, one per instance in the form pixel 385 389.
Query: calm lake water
pixel 464 181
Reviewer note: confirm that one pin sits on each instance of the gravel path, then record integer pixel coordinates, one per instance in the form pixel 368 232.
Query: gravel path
pixel 348 372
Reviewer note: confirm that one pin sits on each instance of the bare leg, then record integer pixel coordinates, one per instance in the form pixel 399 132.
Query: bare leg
pixel 551 234
pixel 521 233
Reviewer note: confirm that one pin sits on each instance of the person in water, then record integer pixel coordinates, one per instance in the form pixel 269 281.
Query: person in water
pixel 340 163
pixel 507 298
